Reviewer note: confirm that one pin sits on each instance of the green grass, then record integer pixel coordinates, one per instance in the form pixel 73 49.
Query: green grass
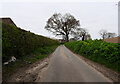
pixel 25 46
pixel 38 54
pixel 19 43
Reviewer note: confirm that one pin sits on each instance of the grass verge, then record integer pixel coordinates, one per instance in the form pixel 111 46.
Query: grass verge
pixel 106 54
pixel 38 54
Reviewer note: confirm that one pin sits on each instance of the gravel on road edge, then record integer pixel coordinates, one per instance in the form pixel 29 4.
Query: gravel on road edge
pixel 112 75
pixel 30 72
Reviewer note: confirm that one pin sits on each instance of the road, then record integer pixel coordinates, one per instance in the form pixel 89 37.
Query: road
pixel 65 66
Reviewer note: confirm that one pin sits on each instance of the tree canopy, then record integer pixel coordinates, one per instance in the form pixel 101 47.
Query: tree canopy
pixel 104 34
pixel 62 25
pixel 81 33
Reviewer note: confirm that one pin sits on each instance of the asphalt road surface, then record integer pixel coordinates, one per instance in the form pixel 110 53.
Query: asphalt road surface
pixel 65 66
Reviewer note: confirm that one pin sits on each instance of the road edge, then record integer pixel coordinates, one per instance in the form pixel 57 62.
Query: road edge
pixel 12 77
pixel 108 73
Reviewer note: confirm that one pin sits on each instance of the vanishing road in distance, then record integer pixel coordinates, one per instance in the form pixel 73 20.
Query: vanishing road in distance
pixel 65 66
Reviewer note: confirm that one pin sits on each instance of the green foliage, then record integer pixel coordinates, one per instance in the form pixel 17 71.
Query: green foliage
pixel 99 51
pixel 19 43
pixel 31 58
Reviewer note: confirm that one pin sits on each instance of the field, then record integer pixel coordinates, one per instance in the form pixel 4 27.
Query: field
pixel 107 54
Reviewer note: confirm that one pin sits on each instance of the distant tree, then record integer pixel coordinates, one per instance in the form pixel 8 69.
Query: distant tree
pixel 81 33
pixel 62 25
pixel 106 34
pixel 110 35
pixel 103 33
pixel 88 36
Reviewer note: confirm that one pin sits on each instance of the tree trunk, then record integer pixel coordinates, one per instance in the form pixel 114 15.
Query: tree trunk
pixel 103 37
pixel 83 38
pixel 67 38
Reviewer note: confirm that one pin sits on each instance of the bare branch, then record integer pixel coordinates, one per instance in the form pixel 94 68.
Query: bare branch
pixel 62 25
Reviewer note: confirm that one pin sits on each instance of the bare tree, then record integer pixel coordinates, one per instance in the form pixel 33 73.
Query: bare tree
pixel 62 25
pixel 88 36
pixel 81 33
pixel 110 35
pixel 103 33
pixel 106 34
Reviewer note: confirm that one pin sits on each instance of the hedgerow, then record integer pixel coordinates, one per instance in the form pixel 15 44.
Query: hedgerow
pixel 107 54
pixel 18 42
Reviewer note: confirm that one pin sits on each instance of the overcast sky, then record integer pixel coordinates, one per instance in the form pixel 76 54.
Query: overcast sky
pixel 93 16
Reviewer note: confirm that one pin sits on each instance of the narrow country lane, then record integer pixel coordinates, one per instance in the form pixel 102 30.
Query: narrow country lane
pixel 64 66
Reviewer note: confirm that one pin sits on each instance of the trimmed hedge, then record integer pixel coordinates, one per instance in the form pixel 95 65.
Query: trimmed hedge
pixel 107 54
pixel 18 42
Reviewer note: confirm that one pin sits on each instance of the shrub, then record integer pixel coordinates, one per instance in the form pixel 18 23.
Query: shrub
pixel 18 42
pixel 99 51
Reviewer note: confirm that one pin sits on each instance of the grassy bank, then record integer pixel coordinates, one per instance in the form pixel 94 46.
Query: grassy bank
pixel 19 43
pixel 38 54
pixel 107 54
pixel 25 46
